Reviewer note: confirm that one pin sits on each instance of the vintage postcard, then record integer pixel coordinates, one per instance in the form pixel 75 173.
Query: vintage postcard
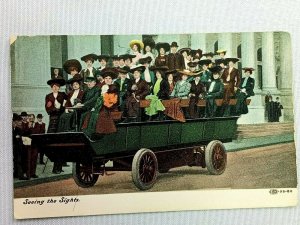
pixel 110 124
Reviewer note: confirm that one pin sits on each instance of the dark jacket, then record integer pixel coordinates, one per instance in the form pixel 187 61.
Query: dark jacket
pixel 79 96
pixel 197 89
pixel 176 61
pixel 161 61
pixel 249 85
pixel 164 90
pixel 142 89
pixel 217 91
pixel 89 98
pixel 234 80
pixel 49 103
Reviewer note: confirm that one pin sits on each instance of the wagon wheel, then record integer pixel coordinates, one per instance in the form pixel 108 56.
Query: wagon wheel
pixel 144 169
pixel 83 176
pixel 215 157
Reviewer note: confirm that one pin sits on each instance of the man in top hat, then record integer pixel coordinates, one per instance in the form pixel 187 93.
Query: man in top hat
pixel 206 76
pixel 147 75
pixel 231 79
pixel 123 84
pixel 54 105
pixel 89 70
pixel 175 59
pixel 221 53
pixel 40 128
pixel 244 91
pixel 138 91
pixel 162 58
pixel 197 92
pixel 215 91
pixel 103 59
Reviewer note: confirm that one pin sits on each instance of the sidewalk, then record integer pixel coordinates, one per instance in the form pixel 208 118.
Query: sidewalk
pixel 236 145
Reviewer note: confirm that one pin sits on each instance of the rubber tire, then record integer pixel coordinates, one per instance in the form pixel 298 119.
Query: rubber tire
pixel 135 172
pixel 78 179
pixel 209 161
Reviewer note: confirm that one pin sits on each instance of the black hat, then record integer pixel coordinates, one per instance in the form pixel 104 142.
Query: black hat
pixel 248 69
pixel 211 54
pixel 149 42
pixel 145 60
pixel 39 116
pixel 115 57
pixel 127 56
pixel 195 52
pixel 72 63
pixel 74 79
pixel 59 81
pixel 105 57
pixel 234 60
pixel 182 50
pixel 139 67
pixel 123 70
pixel 23 114
pixel 159 68
pixel 111 72
pixel 173 71
pixel 219 61
pixel 163 45
pixel 216 69
pixel 174 44
pixel 192 64
pixel 90 78
pixel 91 57
pixel 16 117
pixel 204 62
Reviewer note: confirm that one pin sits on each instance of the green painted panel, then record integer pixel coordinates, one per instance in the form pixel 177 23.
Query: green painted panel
pixel 175 133
pixel 120 140
pixel 209 130
pixel 154 136
pixel 192 132
pixel 227 129
pixel 133 137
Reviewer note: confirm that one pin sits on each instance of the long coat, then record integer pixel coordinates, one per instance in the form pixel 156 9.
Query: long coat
pixel 69 96
pixel 234 81
pixel 216 92
pixel 161 61
pixel 89 98
pixel 164 90
pixel 249 86
pixel 176 61
pixel 53 112
pixel 181 90
pixel 196 89
pixel 142 89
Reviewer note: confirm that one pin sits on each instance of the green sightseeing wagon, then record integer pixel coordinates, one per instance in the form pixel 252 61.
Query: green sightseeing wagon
pixel 144 148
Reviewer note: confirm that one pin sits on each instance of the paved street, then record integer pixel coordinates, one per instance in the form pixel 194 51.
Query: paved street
pixel 264 167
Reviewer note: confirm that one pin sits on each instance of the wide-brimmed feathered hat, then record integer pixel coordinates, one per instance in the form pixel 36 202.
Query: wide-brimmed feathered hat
pixel 163 45
pixel 136 42
pixel 138 67
pixel 59 81
pixel 91 57
pixel 72 63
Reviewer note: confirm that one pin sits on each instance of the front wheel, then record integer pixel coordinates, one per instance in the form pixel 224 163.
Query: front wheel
pixel 83 176
pixel 144 169
pixel 215 157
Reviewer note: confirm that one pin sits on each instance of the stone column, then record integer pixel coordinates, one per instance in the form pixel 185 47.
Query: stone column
pixel 225 42
pixel 268 62
pixel 249 55
pixel 199 41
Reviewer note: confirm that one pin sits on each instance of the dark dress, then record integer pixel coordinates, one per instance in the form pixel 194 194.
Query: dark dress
pixel 176 61
pixel 161 61
pixel 241 105
pixel 196 89
pixel 212 94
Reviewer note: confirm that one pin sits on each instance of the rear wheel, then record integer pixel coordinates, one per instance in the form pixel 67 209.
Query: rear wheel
pixel 215 157
pixel 144 169
pixel 83 176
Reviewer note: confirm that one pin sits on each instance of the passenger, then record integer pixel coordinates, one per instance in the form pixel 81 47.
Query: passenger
pixel 196 55
pixel 206 76
pixel 103 59
pixel 127 58
pixel 175 59
pixel 197 92
pixel 123 84
pixel 182 87
pixel 72 67
pixel 89 70
pixel 215 91
pixel 148 75
pixel 115 61
pixel 221 53
pixel 162 58
pixel 138 91
pixel 54 104
pixel 67 121
pixel 245 90
pixel 222 63
pixel 161 86
pixel 210 56
pixel 171 74
pixel 136 48
pixel 231 79
pixel 186 53
pixel 149 45
pixel 193 67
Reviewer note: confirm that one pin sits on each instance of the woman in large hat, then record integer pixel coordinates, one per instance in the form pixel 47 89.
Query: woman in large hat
pixel 206 76
pixel 231 79
pixel 215 91
pixel 67 121
pixel 136 48
pixel 89 59
pixel 162 58
pixel 148 75
pixel 172 79
pixel 72 67
pixel 54 105
pixel 182 87
pixel 161 86
pixel 149 45
pixel 103 60
pixel 186 53
pixel 197 92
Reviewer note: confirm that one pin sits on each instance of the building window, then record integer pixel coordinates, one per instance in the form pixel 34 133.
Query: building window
pixel 259 76
pixel 239 52
pixel 259 55
pixel 216 46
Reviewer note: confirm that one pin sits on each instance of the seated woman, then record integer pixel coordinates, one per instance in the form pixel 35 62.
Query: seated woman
pixel 66 120
pixel 244 91
pixel 171 75
pixel 197 92
pixel 182 87
pixel 215 91
pixel 138 91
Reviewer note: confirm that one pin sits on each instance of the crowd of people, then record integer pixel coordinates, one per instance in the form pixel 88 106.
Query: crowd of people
pixel 96 97
pixel 272 108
